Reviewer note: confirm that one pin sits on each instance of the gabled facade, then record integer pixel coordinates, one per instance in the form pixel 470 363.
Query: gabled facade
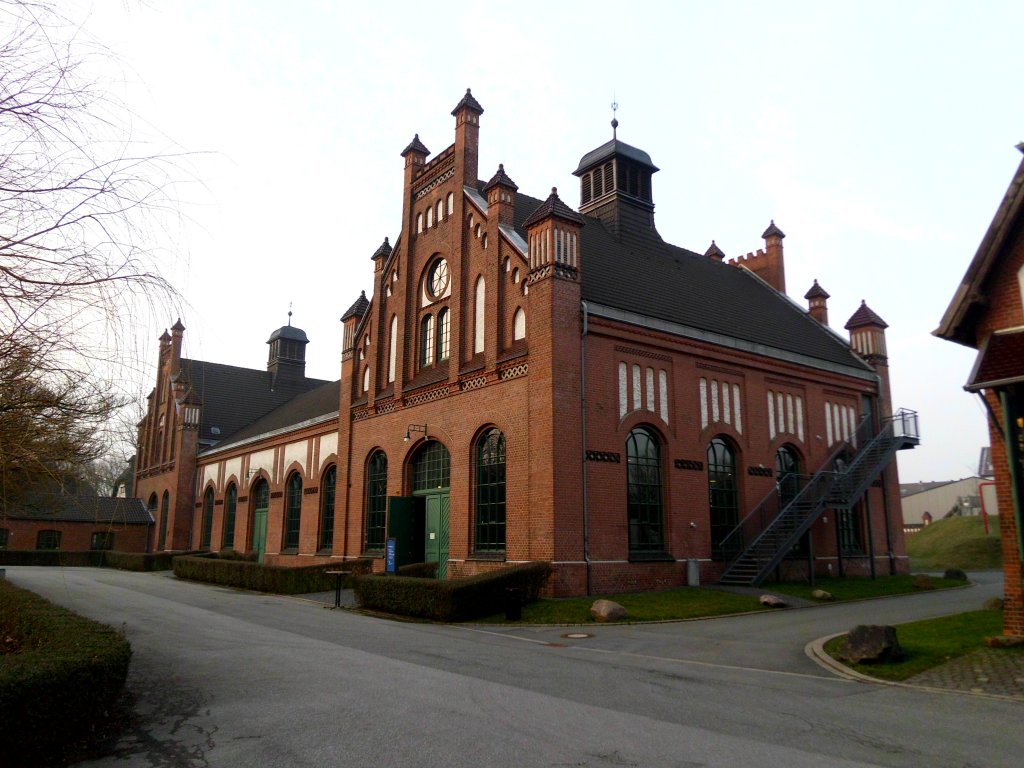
pixel 987 313
pixel 527 381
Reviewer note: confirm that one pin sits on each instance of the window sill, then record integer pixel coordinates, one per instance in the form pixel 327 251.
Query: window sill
pixel 651 557
pixel 289 551
pixel 487 556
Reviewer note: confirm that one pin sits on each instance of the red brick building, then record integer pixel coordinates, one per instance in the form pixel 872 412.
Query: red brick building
pixel 986 313
pixel 532 382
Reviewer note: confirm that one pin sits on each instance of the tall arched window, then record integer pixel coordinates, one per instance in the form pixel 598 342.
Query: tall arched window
pixel 443 334
pixel 440 211
pixel 644 492
pixel 427 341
pixel 207 531
pixel 392 348
pixel 519 325
pixel 490 492
pixel 292 512
pixel 431 469
pixel 787 474
pixel 722 492
pixel 366 379
pixel 478 316
pixel 419 223
pixel 451 203
pixel 327 490
pixel 165 507
pixel 376 501
pixel 230 507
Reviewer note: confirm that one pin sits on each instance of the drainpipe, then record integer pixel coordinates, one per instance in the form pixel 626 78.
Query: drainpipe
pixel 583 435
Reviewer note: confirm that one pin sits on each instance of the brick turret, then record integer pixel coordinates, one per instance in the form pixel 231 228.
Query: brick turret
pixel 817 303
pixel 768 264
pixel 501 196
pixel 467 135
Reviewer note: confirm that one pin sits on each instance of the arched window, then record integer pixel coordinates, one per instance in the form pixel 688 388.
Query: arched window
pixel 419 223
pixel 165 506
pixel 478 316
pixel 490 492
pixel 207 531
pixel 451 203
pixel 431 470
pixel 393 348
pixel 430 217
pixel 519 325
pixel 723 493
pixel 366 379
pixel 443 334
pixel 644 492
pixel 376 501
pixel 230 507
pixel 787 474
pixel 440 211
pixel 292 512
pixel 427 341
pixel 327 490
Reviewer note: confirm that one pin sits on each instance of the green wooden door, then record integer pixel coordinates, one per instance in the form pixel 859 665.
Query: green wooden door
pixel 436 529
pixel 259 531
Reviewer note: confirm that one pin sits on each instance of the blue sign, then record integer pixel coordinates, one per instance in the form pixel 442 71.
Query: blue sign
pixel 390 562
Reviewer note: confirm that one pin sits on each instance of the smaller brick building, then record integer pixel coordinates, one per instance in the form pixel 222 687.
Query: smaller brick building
pixel 66 519
pixel 987 313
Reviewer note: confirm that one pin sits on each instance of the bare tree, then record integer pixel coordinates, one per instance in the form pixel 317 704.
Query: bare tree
pixel 80 215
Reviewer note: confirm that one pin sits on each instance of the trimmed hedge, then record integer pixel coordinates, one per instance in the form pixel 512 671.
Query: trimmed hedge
pixel 60 681
pixel 51 557
pixel 420 570
pixel 278 579
pixel 138 561
pixel 453 600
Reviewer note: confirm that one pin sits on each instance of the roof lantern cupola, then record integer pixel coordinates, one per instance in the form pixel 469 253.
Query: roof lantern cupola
pixel 817 303
pixel 350 320
pixel 380 256
pixel 287 358
pixel 615 185
pixel 714 252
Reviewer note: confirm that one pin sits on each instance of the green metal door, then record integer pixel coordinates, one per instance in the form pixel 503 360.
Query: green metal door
pixel 436 532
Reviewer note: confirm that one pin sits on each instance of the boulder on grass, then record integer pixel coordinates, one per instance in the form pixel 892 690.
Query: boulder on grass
pixel 955 573
pixel 923 581
pixel 993 604
pixel 608 610
pixel 871 644
pixel 772 601
pixel 821 594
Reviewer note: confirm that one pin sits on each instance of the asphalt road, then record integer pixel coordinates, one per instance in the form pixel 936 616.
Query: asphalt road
pixel 229 678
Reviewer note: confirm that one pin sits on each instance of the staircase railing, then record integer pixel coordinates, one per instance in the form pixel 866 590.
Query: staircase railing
pixel 764 537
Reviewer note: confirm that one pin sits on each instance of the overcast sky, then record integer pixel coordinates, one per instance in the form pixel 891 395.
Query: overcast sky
pixel 879 136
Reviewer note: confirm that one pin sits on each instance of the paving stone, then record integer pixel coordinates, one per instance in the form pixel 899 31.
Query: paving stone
pixel 991 671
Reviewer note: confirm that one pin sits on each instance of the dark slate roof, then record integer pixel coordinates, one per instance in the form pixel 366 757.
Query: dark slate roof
pixel 647 276
pixel 614 147
pixel 80 508
pixel 864 316
pixel 358 309
pixel 288 332
pixel 553 206
pixel 468 101
pixel 384 250
pixel 233 396
pixel 816 291
pixel 178 326
pixel 501 178
pixel 773 231
pixel 415 146
pixel 321 401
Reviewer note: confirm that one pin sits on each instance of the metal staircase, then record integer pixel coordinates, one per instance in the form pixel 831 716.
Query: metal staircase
pixel 763 538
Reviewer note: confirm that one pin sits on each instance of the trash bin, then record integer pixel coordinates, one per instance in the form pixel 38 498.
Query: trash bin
pixel 513 604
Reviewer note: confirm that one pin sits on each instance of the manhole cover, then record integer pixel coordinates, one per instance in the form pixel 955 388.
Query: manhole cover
pixel 576 635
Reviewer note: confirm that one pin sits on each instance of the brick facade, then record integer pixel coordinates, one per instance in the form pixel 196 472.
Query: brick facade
pixel 480 319
pixel 987 307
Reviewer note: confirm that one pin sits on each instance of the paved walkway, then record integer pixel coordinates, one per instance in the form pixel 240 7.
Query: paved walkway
pixel 994 672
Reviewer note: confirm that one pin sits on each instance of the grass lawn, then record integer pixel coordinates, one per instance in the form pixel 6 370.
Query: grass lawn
pixel 956 542
pixel 857 588
pixel 684 603
pixel 930 643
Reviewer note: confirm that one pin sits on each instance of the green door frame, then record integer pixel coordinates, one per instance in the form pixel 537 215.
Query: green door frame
pixel 259 531
pixel 436 528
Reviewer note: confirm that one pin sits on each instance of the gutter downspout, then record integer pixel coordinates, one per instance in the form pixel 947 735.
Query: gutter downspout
pixel 583 435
